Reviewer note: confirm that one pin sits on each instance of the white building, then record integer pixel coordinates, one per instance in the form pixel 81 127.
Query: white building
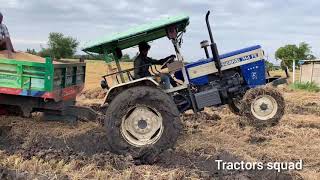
pixel 310 71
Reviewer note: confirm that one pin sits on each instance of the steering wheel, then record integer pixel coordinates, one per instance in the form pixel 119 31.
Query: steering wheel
pixel 164 65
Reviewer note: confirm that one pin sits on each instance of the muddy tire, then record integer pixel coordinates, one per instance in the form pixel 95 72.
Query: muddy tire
pixel 262 107
pixel 234 107
pixel 142 121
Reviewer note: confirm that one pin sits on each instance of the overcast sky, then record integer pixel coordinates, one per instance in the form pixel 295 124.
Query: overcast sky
pixel 236 24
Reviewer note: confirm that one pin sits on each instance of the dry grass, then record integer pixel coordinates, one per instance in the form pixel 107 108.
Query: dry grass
pixel 96 69
pixel 54 150
pixel 283 74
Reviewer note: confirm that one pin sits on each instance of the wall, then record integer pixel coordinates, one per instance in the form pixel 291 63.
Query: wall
pixel 310 72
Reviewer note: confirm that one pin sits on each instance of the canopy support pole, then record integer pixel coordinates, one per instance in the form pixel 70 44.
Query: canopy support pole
pixel 118 67
pixel 180 58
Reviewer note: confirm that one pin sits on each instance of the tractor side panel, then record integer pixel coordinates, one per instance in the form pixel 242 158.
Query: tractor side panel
pixel 254 73
pixel 248 59
pixel 198 71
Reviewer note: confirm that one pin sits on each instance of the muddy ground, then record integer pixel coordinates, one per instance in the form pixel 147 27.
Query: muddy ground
pixel 31 148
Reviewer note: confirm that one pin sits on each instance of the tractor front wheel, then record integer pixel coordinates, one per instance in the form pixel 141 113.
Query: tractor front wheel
pixel 263 106
pixel 142 121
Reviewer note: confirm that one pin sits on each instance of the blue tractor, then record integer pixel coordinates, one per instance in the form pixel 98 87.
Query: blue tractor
pixel 142 117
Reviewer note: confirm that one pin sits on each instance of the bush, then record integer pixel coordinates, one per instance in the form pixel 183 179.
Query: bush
pixel 307 86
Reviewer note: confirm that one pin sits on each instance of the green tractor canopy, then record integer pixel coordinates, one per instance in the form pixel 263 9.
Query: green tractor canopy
pixel 133 36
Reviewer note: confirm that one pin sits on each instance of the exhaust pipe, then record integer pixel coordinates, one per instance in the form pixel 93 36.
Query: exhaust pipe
pixel 213 46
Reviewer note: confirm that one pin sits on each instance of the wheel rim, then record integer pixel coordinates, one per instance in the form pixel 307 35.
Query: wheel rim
pixel 142 125
pixel 264 107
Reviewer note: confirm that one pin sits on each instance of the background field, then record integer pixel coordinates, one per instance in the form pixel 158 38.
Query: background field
pixel 96 69
pixel 31 148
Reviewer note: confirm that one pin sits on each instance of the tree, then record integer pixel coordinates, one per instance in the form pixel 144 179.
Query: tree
pixel 126 58
pixel 88 57
pixel 32 51
pixel 292 52
pixel 60 46
pixel 45 52
pixel 269 65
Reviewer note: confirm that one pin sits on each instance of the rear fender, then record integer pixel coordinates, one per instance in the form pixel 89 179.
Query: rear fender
pixel 115 90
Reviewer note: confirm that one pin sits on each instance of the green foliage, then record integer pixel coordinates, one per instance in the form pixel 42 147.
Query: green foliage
pixel 292 52
pixel 32 51
pixel 61 46
pixel 45 52
pixel 88 57
pixel 126 58
pixel 307 86
pixel 269 65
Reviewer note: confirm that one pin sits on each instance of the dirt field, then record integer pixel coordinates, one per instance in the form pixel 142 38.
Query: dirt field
pixel 31 148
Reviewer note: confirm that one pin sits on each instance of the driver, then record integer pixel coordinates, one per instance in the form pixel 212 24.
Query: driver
pixel 143 62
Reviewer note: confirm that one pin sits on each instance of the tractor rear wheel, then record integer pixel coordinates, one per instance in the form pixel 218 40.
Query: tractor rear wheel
pixel 263 106
pixel 142 121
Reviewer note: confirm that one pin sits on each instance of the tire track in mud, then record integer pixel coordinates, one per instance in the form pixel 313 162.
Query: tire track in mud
pixel 90 146
pixel 306 108
pixel 206 166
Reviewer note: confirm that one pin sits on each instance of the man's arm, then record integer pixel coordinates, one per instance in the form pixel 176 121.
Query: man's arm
pixel 161 61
